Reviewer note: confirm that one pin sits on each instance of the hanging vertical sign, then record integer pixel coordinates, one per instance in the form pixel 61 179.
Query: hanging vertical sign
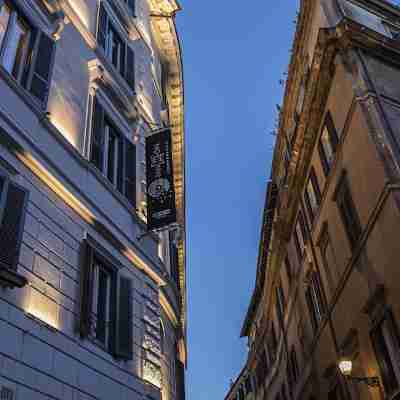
pixel 161 209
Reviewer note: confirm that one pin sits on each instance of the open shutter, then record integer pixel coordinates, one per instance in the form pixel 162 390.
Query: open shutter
pixel 42 68
pixel 12 223
pixel 97 144
pixel 86 274
pixel 130 172
pixel 131 5
pixel 124 331
pixel 102 26
pixel 130 67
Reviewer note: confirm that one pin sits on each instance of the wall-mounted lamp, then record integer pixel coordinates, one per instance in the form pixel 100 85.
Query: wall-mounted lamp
pixel 346 366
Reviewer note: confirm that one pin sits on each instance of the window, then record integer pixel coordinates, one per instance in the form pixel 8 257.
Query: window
pixel 113 154
pixel 328 257
pixel 280 301
pixel 27 54
pixel 283 393
pixel 116 49
pixel 162 339
pixel 300 236
pixel 288 269
pixel 272 344
pixel 385 340
pixel 261 369
pixel 174 256
pixel 315 300
pixel 328 144
pixel 106 306
pixel 347 211
pixel 312 195
pixel 292 367
pixel 247 385
pixel 13 203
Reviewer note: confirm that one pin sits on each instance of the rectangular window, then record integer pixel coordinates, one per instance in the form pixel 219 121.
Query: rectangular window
pixel 101 302
pixel 328 144
pixel 272 344
pixel 385 340
pixel 261 369
pixel 300 236
pixel 288 269
pixel 280 301
pixel 312 195
pixel 328 257
pixel 106 303
pixel 315 300
pixel 112 153
pixel 293 367
pixel 174 256
pixel 27 54
pixel 116 49
pixel 348 211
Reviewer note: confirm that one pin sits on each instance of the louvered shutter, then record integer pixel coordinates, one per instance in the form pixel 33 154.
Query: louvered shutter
pixel 130 67
pixel 86 289
pixel 120 167
pixel 124 331
pixel 42 67
pixel 12 223
pixel 97 143
pixel 102 27
pixel 131 5
pixel 130 172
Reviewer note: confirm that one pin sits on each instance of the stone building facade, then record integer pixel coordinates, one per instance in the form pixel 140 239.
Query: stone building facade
pixel 327 284
pixel 90 307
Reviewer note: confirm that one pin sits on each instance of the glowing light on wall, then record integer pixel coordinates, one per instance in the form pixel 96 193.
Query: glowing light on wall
pixel 43 308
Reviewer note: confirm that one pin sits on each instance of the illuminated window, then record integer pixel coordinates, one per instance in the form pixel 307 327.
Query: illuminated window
pixel 27 54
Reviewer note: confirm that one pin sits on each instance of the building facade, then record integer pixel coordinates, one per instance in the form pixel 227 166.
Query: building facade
pixel 92 306
pixel 327 285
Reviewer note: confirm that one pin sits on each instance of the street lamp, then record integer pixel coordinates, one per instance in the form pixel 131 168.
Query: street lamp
pixel 346 366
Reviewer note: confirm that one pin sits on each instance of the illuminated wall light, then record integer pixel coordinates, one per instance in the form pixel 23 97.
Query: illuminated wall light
pixel 43 309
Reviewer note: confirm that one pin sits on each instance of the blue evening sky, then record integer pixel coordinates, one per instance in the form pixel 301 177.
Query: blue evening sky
pixel 234 54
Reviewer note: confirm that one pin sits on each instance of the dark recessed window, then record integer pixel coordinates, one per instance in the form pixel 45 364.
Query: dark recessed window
pixel 385 340
pixel 300 236
pixel 315 300
pixel 312 195
pixel 347 211
pixel 328 144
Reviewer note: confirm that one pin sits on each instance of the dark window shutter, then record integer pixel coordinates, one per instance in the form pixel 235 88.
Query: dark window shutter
pixel 130 67
pixel 131 5
pixel 174 258
pixel 120 167
pixel 12 224
pixel 42 68
pixel 97 145
pixel 130 172
pixel 102 27
pixel 124 332
pixel 314 182
pixel 333 136
pixel 86 275
pixel 180 380
pixel 311 309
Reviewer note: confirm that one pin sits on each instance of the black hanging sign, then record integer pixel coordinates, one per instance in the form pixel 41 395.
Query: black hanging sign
pixel 161 209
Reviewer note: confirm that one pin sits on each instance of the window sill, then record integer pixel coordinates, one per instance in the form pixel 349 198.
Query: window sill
pixel 11 279
pixel 25 96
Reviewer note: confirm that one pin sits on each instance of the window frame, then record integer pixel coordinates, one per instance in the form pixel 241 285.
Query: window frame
pixel 394 336
pixel 312 183
pixel 333 139
pixel 347 211
pixel 315 300
pixel 300 233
